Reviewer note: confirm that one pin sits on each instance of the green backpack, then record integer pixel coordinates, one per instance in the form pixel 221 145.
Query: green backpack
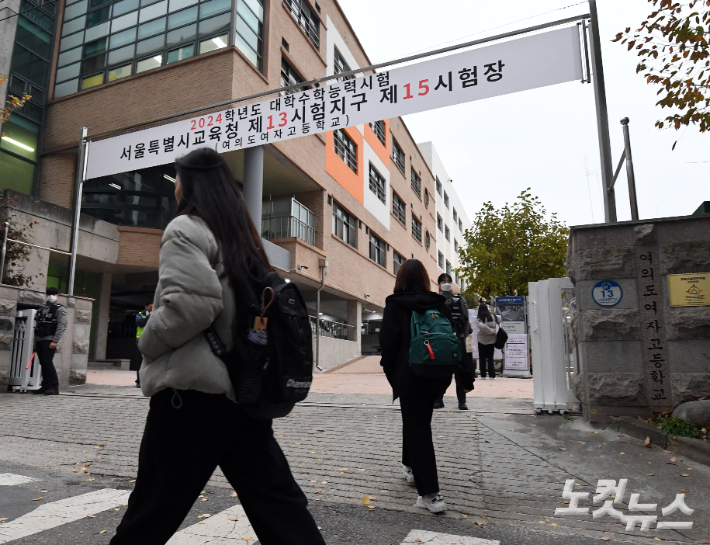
pixel 434 349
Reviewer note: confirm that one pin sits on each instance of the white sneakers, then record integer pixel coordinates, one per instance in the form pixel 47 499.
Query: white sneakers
pixel 408 474
pixel 432 502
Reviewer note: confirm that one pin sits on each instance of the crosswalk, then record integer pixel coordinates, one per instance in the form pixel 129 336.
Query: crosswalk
pixel 228 527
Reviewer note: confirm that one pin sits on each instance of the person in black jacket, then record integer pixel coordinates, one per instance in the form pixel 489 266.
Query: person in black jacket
pixel 417 395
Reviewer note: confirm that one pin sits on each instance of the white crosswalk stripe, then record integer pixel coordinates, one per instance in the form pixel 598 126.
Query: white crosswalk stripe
pixel 433 538
pixel 11 479
pixel 227 527
pixel 57 513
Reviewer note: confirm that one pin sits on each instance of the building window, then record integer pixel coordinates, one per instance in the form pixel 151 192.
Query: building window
pixel 340 66
pixel 440 223
pixel 416 229
pixel 426 198
pixel 446 199
pixel 344 226
pixel 306 19
pixel 378 127
pixel 398 155
pixel 439 189
pixel 397 261
pixel 346 149
pixel 102 43
pixel 460 225
pixel 416 183
pixel 448 267
pixel 378 254
pixel 441 260
pixel 378 185
pixel 456 216
pixel 447 233
pixel 427 240
pixel 456 245
pixel 288 218
pixel 290 77
pixel 399 209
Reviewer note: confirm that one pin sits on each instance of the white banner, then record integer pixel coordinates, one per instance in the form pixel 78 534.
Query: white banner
pixel 517 65
pixel 517 356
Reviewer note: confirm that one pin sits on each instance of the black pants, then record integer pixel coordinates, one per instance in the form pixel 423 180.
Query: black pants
pixel 485 359
pixel 417 404
pixel 46 361
pixel 460 389
pixel 187 435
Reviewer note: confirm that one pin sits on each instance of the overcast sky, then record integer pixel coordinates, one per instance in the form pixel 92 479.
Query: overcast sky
pixel 546 138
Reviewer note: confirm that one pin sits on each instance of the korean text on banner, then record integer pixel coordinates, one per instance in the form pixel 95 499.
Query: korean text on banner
pixel 509 67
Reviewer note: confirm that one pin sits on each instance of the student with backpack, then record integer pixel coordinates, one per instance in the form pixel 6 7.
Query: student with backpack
pixel 486 324
pixel 420 352
pixel 211 266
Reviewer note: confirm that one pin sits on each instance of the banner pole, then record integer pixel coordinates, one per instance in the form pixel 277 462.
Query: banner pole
pixel 81 161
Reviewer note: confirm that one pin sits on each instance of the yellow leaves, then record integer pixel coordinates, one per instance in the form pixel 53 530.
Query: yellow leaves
pixel 38 499
pixel 204 516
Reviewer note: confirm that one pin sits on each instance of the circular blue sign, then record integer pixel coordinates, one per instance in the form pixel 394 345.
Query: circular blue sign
pixel 607 293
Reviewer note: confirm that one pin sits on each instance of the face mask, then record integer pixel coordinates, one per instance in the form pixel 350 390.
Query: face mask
pixel 446 290
pixel 51 298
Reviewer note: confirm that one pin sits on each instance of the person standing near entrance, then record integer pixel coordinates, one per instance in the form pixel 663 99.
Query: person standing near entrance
pixel 486 339
pixel 194 424
pixel 417 395
pixel 462 328
pixel 141 322
pixel 51 325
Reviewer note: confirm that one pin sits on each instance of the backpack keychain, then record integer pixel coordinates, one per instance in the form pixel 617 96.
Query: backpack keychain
pixel 258 334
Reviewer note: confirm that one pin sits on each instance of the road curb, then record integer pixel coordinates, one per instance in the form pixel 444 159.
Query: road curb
pixel 694 449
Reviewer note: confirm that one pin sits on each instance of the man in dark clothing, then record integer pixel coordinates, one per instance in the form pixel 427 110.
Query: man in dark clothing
pixel 51 325
pixel 142 321
pixel 462 328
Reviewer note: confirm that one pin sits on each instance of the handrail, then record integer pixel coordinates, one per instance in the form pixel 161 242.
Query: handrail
pixel 5 240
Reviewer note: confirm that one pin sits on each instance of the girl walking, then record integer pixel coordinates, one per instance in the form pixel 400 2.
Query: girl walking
pixel 194 423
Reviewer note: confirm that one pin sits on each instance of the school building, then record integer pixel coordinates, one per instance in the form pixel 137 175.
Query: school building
pixel 363 198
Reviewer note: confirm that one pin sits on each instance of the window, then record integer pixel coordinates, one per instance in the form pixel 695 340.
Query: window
pixel 378 185
pixel 340 66
pixel 416 229
pixel 378 254
pixel 438 186
pixel 427 240
pixel 426 198
pixel 440 223
pixel 398 155
pixel 441 260
pixel 456 216
pixel 460 225
pixel 446 199
pixel 416 183
pixel 399 209
pixel 103 41
pixel 346 149
pixel 344 226
pixel 306 19
pixel 397 261
pixel 378 127
pixel 456 245
pixel 447 233
pixel 289 77
pixel 448 267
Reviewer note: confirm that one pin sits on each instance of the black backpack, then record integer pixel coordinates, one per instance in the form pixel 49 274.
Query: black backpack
pixel 271 362
pixel 459 313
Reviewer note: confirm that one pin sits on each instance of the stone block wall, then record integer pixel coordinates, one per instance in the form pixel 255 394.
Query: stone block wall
pixel 72 354
pixel 641 355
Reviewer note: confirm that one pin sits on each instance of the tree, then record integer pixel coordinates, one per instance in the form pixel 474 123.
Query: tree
pixel 12 104
pixel 673 46
pixel 510 247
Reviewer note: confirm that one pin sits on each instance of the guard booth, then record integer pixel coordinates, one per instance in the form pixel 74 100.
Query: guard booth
pixel 25 371
pixel 551 308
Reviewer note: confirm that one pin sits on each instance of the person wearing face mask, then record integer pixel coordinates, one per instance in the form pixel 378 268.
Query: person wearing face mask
pixel 462 327
pixel 141 322
pixel 51 325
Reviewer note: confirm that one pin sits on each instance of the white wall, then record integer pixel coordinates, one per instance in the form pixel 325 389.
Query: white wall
pixel 372 203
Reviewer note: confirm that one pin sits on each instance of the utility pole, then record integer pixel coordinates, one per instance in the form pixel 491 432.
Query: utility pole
pixel 81 160
pixel 602 117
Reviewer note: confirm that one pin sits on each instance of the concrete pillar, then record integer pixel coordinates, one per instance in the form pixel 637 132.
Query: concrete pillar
pixel 254 182
pixel 103 304
pixel 355 319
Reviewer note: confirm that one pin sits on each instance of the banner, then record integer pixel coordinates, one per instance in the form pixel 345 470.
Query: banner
pixel 517 356
pixel 509 67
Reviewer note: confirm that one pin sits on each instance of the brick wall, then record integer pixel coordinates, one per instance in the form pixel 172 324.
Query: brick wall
pixel 139 247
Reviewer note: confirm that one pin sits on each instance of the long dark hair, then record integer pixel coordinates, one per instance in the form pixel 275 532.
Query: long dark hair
pixel 210 193
pixel 483 313
pixel 412 276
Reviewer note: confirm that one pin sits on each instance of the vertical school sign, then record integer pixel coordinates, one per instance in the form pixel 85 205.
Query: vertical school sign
pixel 517 65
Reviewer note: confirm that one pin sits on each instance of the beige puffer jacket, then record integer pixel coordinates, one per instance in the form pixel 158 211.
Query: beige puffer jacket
pixel 190 296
